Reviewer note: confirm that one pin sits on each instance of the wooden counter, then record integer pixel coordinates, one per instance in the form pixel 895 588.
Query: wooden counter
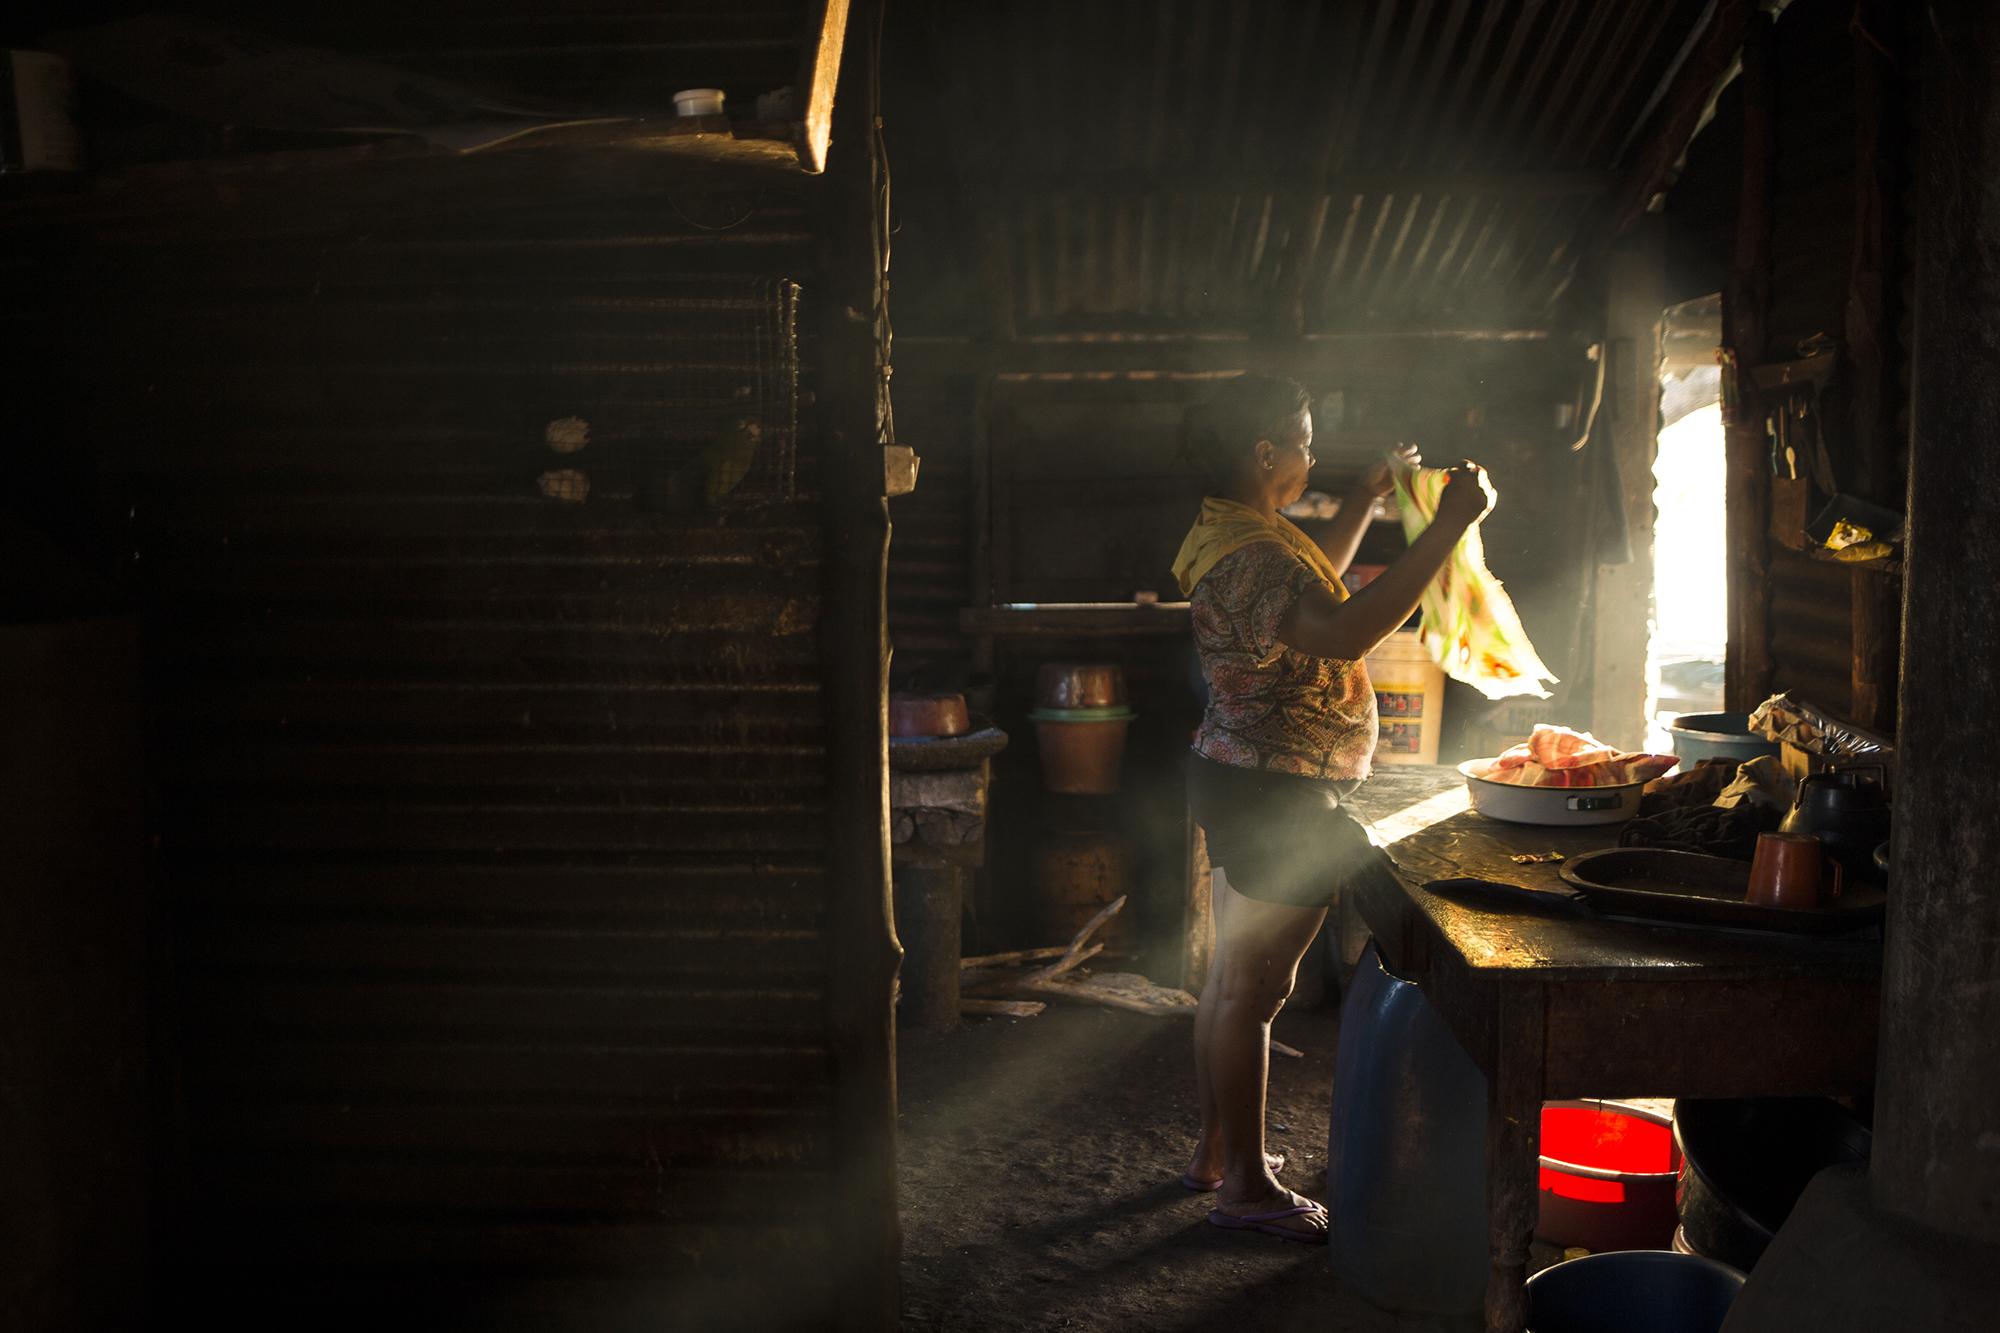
pixel 1552 1004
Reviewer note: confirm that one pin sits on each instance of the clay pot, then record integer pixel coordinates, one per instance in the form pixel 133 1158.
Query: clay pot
pixel 928 715
pixel 1079 685
pixel 1082 749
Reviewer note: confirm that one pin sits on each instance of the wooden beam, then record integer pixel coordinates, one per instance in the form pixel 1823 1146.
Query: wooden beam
pixel 1934 1160
pixel 817 82
pixel 1291 184
pixel 1079 620
pixel 1139 356
pixel 1688 97
pixel 1870 336
pixel 1745 332
pixel 861 949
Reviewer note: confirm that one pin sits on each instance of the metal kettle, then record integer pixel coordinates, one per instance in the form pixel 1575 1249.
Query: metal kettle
pixel 1847 811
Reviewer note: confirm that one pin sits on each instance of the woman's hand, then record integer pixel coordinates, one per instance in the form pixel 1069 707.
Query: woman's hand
pixel 1467 496
pixel 1380 479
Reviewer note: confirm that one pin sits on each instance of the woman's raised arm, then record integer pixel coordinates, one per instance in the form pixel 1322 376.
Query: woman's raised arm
pixel 1324 626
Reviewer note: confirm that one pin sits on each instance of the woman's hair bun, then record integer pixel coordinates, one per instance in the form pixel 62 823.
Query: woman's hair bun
pixel 1216 434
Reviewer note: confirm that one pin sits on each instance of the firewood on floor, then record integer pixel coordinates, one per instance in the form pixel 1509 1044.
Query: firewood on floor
pixel 971 1007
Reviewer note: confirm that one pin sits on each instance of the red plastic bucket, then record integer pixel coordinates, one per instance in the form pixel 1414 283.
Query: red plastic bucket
pixel 1608 1175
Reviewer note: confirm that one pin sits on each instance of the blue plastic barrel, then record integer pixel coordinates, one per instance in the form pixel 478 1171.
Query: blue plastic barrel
pixel 1406 1152
pixel 1632 1291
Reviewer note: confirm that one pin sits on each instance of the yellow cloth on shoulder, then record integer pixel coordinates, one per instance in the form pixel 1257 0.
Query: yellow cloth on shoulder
pixel 1226 527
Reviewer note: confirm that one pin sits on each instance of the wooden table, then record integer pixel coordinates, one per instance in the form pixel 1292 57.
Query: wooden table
pixel 1553 1005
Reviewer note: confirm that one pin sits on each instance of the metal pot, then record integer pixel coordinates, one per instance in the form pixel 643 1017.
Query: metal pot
pixel 1745 1161
pixel 924 715
pixel 1079 685
pixel 1550 805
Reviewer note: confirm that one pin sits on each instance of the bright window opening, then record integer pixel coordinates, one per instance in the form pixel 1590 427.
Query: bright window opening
pixel 1690 630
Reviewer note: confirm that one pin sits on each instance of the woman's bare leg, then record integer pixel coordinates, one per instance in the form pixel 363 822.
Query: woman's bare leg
pixel 1207 1161
pixel 1258 950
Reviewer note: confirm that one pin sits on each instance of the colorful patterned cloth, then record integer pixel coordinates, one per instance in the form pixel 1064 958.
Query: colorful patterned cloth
pixel 1271 707
pixel 1469 623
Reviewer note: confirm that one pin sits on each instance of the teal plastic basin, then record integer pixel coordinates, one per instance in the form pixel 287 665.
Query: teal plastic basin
pixel 1699 736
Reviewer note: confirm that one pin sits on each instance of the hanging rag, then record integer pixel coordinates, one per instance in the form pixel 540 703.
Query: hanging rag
pixel 1225 527
pixel 1468 623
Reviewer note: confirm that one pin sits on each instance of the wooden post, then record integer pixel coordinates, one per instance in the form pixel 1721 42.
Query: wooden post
pixel 1935 1159
pixel 1869 342
pixel 862 953
pixel 1628 430
pixel 1198 915
pixel 928 902
pixel 1745 306
pixel 979 552
pixel 818 79
pixel 996 280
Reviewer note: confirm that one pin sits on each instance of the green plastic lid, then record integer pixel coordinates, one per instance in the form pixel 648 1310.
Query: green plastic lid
pixel 1115 713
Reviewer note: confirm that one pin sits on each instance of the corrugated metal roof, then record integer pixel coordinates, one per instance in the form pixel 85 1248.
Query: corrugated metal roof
pixel 1311 165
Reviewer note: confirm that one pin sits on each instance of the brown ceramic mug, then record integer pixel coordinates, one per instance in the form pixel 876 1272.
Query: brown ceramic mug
pixel 1790 870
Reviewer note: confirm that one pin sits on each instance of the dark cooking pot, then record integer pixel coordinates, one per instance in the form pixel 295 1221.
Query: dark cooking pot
pixel 1745 1161
pixel 1848 811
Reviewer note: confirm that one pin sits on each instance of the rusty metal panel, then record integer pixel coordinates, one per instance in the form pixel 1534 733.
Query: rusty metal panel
pixel 1812 629
pixel 488 743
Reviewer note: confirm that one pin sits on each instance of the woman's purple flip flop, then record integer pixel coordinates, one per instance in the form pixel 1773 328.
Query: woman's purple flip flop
pixel 1262 1222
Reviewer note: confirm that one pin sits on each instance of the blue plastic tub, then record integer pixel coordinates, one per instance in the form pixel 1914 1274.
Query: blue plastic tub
pixel 1632 1291
pixel 1699 736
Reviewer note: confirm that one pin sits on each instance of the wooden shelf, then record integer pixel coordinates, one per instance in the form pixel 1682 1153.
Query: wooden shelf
pixel 1078 620
pixel 794 146
pixel 1890 565
pixel 409 174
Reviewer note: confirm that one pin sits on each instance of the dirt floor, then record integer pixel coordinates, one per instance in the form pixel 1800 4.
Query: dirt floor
pixel 1040 1165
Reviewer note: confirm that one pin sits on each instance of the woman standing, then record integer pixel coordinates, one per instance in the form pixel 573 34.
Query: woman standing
pixel 1288 735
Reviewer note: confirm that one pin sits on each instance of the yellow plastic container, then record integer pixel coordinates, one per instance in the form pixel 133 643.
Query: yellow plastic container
pixel 1409 699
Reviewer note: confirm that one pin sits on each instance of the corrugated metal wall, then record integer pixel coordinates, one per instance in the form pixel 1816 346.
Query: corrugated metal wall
pixel 930 559
pixel 490 812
